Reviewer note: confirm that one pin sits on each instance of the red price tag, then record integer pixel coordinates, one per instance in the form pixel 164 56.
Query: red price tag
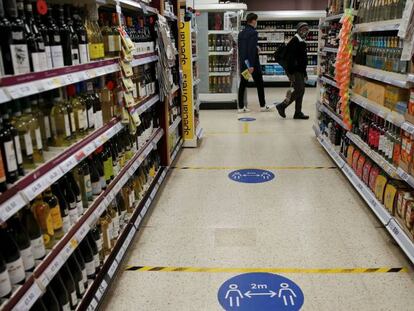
pixel 41 7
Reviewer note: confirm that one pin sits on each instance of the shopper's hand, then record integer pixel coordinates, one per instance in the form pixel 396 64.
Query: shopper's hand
pixel 306 78
pixel 251 69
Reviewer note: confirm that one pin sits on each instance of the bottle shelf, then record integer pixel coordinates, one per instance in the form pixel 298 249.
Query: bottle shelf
pixel 328 81
pixel 323 108
pixel 378 26
pixel 27 295
pixel 221 32
pixel 385 113
pixel 174 125
pixel 15 87
pixel 390 169
pixel 170 16
pixel 219 74
pixel 227 53
pixel 96 292
pixel 330 50
pixel 177 149
pixel 270 41
pixel 396 79
pixel 379 210
pixel 334 17
pixel 144 104
pixel 27 188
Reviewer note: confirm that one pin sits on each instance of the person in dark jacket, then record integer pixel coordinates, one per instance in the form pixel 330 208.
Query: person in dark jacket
pixel 249 51
pixel 296 71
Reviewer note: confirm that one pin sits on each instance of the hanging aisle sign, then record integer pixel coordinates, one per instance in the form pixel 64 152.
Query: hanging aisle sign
pixel 187 80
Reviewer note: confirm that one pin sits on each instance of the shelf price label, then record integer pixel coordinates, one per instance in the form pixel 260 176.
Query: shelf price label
pixel 408 127
pixel 11 207
pixel 29 298
pixel 82 232
pixel 112 268
pixel 101 289
pixel 404 175
pixel 68 164
pixel 93 305
pixel 35 188
pixel 21 90
pixel 138 221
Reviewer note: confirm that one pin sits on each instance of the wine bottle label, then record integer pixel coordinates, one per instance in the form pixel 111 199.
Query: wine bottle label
pixel 68 133
pixel 72 122
pixel 98 119
pixel 16 271
pixel 66 307
pixel 66 223
pixel 115 224
pixel 79 206
pixel 73 213
pixel 91 118
pixel 20 58
pixel 99 244
pixel 17 35
pixel 56 217
pixel 47 127
pixel 131 199
pixel 5 285
pixel 97 260
pixel 18 150
pixel 73 298
pixel 49 225
pixel 96 50
pixel 81 120
pixel 75 56
pixel 96 188
pixel 11 159
pixel 123 217
pixel 83 53
pixel 108 168
pixel 39 61
pixel 57 56
pixel 38 248
pixel 107 236
pixel 28 258
pixel 48 51
pixel 28 144
pixel 115 167
pixel 88 187
pixel 81 287
pixel 56 38
pixel 38 139
pixel 103 182
pixel 90 267
pixel 84 276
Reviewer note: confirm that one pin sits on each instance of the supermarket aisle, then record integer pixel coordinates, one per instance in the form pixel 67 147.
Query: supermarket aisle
pixel 307 217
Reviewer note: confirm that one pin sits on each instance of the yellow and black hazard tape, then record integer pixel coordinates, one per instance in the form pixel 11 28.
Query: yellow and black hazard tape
pixel 270 270
pixel 280 168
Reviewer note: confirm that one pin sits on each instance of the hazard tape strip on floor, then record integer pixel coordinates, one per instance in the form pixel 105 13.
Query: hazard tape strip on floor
pixel 270 270
pixel 254 167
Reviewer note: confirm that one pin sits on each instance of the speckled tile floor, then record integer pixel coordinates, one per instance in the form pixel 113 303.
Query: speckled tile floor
pixel 304 218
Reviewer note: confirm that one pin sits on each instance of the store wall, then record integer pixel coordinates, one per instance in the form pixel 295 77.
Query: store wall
pixel 276 5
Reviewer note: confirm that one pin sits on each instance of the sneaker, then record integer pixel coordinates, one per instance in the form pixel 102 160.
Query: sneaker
pixel 281 110
pixel 266 109
pixel 300 116
pixel 240 110
pixel 246 109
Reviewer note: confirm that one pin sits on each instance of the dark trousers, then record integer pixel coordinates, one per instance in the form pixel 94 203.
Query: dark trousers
pixel 258 80
pixel 297 82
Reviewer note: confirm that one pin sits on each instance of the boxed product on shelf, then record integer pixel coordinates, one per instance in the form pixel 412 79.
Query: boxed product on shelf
pixel 396 98
pixel 409 116
pixel 404 212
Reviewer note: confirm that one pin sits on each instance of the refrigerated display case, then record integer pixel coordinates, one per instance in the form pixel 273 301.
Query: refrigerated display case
pixel 218 27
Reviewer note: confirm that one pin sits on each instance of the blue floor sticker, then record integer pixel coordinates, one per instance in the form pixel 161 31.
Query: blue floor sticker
pixel 251 176
pixel 247 119
pixel 260 292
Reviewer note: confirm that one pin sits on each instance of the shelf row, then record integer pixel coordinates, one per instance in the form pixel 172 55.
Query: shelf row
pixel 19 86
pixel 27 295
pixel 396 79
pixel 283 30
pixel 282 78
pixel 226 53
pixel 174 125
pixel 328 81
pixel 27 188
pixel 330 50
pixel 323 108
pixel 379 210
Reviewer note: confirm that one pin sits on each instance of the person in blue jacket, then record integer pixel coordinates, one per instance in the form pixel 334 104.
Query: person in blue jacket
pixel 249 55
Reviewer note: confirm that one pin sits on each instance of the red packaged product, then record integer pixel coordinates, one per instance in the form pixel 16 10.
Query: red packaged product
pixel 355 159
pixel 360 165
pixel 373 177
pixel 366 171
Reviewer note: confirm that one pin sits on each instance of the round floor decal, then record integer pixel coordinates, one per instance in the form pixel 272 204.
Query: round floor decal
pixel 260 291
pixel 247 119
pixel 251 176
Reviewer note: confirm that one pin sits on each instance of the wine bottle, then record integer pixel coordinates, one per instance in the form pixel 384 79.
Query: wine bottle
pixel 113 212
pixel 94 248
pixel 122 210
pixel 5 284
pixel 50 300
pixel 38 114
pixel 42 214
pixel 8 152
pixel 82 266
pixel 100 167
pixel 33 127
pixel 108 165
pixel 6 65
pixel 77 276
pixel 22 239
pixel 95 178
pixel 65 35
pixel 35 233
pixel 43 29
pixel 45 103
pixel 97 236
pixel 76 190
pixel 79 110
pixel 70 197
pixel 70 286
pixel 18 44
pixel 82 36
pixel 11 254
pixel 106 227
pixel 74 39
pixel 87 255
pixel 71 113
pixel 55 40
pixel 60 123
pixel 95 39
pixel 60 292
pixel 39 306
pixel 64 207
pixel 55 212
